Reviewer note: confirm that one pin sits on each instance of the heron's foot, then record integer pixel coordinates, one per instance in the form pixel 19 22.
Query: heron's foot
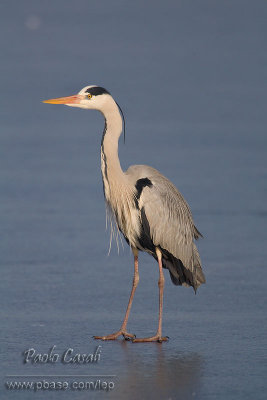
pixel 114 336
pixel 156 338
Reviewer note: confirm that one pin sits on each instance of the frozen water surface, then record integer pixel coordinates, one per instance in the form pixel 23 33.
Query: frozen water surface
pixel 191 79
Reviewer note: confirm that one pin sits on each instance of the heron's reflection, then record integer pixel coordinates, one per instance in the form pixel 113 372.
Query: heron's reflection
pixel 164 376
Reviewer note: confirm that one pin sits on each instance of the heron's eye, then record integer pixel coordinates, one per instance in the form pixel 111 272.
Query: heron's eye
pixel 89 96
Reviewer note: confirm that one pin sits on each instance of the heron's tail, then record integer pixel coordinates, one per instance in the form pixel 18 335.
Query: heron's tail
pixel 181 275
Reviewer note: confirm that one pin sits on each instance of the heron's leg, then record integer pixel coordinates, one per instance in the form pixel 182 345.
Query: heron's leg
pixel 122 330
pixel 135 283
pixel 158 337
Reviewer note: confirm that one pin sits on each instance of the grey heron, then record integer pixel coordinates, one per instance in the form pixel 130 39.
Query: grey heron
pixel 149 211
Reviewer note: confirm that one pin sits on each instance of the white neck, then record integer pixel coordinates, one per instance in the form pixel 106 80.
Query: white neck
pixel 110 164
pixel 119 193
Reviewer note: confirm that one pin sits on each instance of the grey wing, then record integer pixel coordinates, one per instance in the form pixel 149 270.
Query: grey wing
pixel 170 224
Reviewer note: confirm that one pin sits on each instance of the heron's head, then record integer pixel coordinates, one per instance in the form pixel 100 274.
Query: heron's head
pixel 90 97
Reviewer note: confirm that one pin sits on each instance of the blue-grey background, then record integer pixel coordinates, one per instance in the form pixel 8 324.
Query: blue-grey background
pixel 191 79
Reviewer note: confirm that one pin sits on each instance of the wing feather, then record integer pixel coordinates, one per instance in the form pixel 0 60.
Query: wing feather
pixel 170 225
pixel 170 220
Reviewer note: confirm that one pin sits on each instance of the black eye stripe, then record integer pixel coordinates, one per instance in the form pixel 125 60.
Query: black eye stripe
pixel 95 91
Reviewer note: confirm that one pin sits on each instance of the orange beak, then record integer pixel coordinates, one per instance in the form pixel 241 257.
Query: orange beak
pixel 65 100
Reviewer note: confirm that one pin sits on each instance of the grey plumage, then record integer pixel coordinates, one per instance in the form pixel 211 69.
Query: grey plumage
pixel 169 225
pixel 149 211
